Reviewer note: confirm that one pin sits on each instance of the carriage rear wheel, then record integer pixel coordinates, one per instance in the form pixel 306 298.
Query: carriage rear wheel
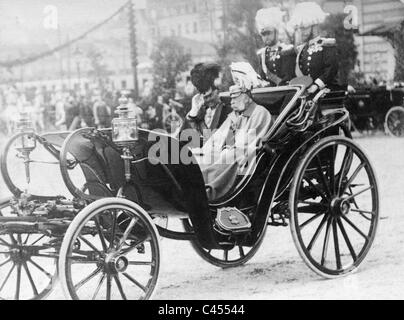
pixel 334 207
pixel 233 256
pixel 28 264
pixel 394 123
pixel 110 251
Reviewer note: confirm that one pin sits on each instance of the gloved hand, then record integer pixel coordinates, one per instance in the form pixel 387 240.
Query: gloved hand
pixel 197 103
pixel 312 89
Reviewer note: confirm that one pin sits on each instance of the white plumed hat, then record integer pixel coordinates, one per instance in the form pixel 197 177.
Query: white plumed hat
pixel 269 18
pixel 307 14
pixel 244 75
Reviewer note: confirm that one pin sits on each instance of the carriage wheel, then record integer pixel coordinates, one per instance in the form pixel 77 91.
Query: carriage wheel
pixel 5 161
pixel 232 257
pixel 394 123
pixel 334 207
pixel 28 266
pixel 110 251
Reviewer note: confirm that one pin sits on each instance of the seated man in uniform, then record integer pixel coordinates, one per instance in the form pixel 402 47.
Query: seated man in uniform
pixel 316 56
pixel 276 60
pixel 231 149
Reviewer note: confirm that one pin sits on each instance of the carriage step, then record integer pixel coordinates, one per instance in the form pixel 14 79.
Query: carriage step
pixel 232 220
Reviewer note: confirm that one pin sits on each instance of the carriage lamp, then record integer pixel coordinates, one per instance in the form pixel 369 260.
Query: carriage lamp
pixel 124 128
pixel 26 143
pixel 124 133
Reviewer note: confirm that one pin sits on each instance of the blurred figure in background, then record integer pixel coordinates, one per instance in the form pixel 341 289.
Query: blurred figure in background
pixel 102 113
pixel 38 112
pixel 86 112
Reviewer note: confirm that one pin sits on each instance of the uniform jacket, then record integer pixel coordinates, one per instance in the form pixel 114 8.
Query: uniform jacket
pixel 318 59
pixel 277 64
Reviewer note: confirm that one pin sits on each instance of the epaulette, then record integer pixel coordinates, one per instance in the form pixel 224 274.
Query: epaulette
pixel 327 42
pixel 260 51
pixel 287 49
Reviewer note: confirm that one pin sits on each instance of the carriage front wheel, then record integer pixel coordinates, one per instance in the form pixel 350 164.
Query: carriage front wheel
pixel 334 207
pixel 110 251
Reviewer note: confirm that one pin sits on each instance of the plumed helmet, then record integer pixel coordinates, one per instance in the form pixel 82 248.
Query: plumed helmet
pixel 269 18
pixel 203 76
pixel 307 14
pixel 244 75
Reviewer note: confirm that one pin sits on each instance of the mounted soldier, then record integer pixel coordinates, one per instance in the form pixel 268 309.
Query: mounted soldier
pixel 276 59
pixel 316 56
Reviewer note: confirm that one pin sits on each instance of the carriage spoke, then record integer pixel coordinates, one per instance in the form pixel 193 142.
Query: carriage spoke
pixel 326 241
pixel 135 282
pixel 5 262
pixel 18 283
pixel 310 220
pixel 34 289
pixel 86 279
pixel 317 233
pixel 344 170
pixel 346 238
pixel 5 243
pixel 322 177
pixel 97 290
pixel 358 193
pixel 355 228
pixel 26 239
pixel 372 213
pixel 118 283
pixel 352 178
pixel 100 234
pixel 241 251
pixel 226 255
pixel 331 170
pixel 127 232
pixel 39 239
pixel 141 263
pixel 7 277
pixel 113 233
pixel 40 268
pixel 109 286
pixel 90 245
pixel 336 244
pixel 14 242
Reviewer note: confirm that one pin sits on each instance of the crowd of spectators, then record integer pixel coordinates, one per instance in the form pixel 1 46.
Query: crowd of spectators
pixel 61 110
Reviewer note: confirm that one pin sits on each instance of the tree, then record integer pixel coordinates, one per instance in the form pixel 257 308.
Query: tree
pixel 240 39
pixel 396 39
pixel 99 70
pixel 169 61
pixel 347 52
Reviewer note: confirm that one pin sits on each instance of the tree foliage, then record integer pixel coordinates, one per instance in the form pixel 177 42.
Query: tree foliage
pixel 239 40
pixel 98 71
pixel 396 39
pixel 347 51
pixel 169 61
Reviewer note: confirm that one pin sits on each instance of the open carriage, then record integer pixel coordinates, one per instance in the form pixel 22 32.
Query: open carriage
pixel 308 174
pixel 378 108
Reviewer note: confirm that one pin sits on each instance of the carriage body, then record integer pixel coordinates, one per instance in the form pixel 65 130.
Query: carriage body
pixel 113 214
